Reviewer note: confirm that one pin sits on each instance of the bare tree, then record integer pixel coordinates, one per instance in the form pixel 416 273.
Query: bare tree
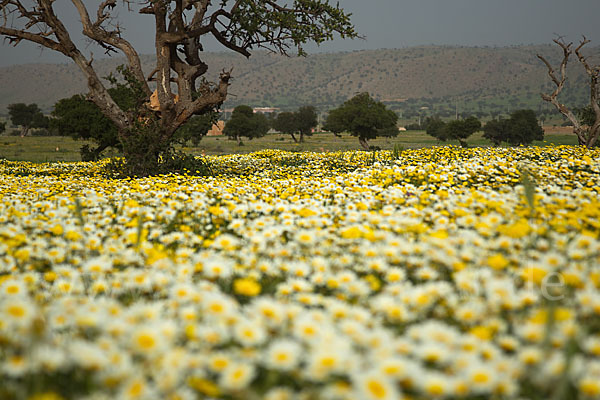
pixel 586 135
pixel 238 25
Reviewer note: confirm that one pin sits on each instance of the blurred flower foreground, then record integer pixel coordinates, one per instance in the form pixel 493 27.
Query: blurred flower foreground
pixel 422 274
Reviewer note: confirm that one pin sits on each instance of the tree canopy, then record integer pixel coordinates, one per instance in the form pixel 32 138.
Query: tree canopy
pixel 363 117
pixel 459 129
pixel 306 120
pixel 181 90
pixel 301 121
pixel 521 128
pixel 244 122
pixel 462 129
pixel 196 128
pixel 285 122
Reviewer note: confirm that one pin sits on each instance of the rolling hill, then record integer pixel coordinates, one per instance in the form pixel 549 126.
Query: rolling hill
pixel 438 79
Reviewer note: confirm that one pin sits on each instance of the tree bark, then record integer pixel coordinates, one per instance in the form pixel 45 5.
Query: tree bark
pixel 363 142
pixel 24 130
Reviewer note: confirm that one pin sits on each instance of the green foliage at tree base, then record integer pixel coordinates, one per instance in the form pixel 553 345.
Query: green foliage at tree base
pixel 175 162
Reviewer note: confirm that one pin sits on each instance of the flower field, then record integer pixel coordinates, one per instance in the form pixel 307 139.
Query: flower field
pixel 433 273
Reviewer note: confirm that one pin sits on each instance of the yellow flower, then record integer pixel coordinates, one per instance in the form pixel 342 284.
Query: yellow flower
pixel 246 287
pixel 46 396
pixel 497 262
pixel 517 230
pixel 374 283
pixel 204 386
pixel 590 387
pixel 50 276
pixel 57 229
pixel 534 274
pixel 306 212
pixel 352 232
pixel 482 332
pixel 376 386
pixel 441 234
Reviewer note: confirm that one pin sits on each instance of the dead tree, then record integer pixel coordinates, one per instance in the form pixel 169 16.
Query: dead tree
pixel 586 135
pixel 238 25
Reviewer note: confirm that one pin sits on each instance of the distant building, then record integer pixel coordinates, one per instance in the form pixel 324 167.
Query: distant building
pixel 226 112
pixel 265 110
pixel 217 129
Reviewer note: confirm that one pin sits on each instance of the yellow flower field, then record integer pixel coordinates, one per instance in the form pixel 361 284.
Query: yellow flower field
pixel 443 273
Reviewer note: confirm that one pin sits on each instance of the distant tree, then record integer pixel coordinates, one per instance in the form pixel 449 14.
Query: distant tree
pixel 306 120
pixel 82 119
pixel 27 116
pixel 302 122
pixel 586 115
pixel 459 129
pixel 586 125
pixel 524 127
pixel 285 122
pixel 245 123
pixel 521 128
pixel 496 130
pixel 2 127
pixel 435 127
pixel 363 117
pixel 196 128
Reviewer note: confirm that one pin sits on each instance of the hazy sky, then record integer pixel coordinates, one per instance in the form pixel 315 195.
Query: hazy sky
pixel 393 24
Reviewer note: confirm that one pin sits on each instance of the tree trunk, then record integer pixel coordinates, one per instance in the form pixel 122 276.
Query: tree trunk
pixel 294 137
pixel 594 133
pixel 363 142
pixel 143 149
pixel 98 150
pixel 24 130
pixel 301 137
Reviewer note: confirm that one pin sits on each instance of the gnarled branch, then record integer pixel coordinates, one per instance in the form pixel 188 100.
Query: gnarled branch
pixel 52 33
pixel 109 39
pixel 559 82
pixel 594 74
